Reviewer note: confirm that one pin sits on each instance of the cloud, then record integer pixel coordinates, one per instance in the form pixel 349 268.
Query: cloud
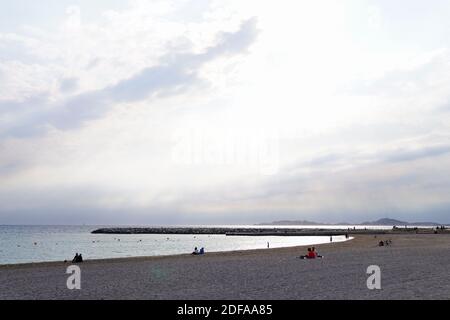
pixel 233 42
pixel 23 118
pixel 119 85
pixel 340 160
pixel 68 85
pixel 427 73
pixel 411 155
pixel 174 73
pixel 332 186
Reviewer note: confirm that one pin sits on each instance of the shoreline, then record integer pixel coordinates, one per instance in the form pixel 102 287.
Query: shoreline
pixel 139 258
pixel 288 232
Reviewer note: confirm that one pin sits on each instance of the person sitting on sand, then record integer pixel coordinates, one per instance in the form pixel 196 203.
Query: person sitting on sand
pixel 78 258
pixel 305 256
pixel 381 243
pixel 202 250
pixel 195 251
pixel 310 255
pixel 316 254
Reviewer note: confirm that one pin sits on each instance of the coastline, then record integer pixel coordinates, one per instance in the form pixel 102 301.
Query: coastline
pixel 156 257
pixel 413 267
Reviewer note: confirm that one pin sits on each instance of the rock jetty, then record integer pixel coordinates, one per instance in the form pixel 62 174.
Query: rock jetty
pixel 235 231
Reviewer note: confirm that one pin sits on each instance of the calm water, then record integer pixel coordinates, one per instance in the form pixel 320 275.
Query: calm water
pixel 21 244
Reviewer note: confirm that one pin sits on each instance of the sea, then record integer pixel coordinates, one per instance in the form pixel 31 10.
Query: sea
pixel 31 243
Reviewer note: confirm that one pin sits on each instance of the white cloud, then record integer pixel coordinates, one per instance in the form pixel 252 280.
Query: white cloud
pixel 90 112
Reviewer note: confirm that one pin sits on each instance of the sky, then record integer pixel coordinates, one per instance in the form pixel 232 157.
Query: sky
pixel 224 112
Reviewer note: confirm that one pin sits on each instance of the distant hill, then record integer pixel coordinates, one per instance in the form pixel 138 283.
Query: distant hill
pixel 394 222
pixel 386 222
pixel 380 222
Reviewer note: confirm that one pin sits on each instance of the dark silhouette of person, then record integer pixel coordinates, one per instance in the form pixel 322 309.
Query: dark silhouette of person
pixel 78 258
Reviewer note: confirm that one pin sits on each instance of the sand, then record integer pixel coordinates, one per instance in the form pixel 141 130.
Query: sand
pixel 413 267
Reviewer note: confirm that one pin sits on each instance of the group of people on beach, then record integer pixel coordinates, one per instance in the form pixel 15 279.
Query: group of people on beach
pixel 384 243
pixel 78 258
pixel 198 252
pixel 312 254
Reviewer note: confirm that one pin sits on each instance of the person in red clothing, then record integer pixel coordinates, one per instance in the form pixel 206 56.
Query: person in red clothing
pixel 311 254
pixel 316 255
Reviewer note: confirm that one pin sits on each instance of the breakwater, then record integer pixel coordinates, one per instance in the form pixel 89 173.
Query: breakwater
pixel 237 231
pixel 233 231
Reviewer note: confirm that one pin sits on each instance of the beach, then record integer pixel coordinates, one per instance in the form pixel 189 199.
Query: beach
pixel 412 267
